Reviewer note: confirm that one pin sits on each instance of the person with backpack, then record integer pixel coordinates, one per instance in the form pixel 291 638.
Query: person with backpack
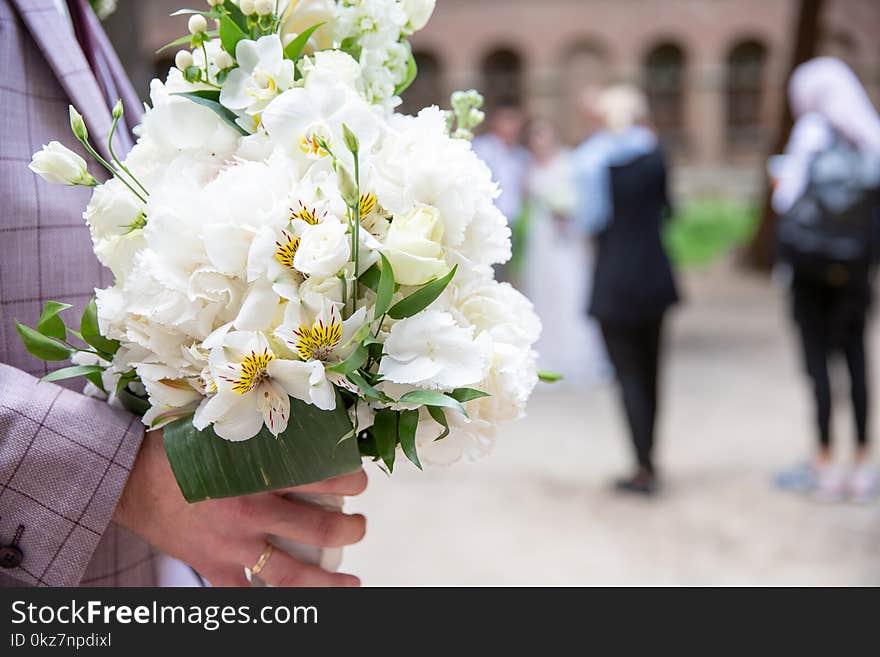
pixel 827 195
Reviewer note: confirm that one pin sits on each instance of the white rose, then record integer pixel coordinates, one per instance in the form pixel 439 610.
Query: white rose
pixel 59 165
pixel 113 210
pixel 419 12
pixel 324 249
pixel 414 246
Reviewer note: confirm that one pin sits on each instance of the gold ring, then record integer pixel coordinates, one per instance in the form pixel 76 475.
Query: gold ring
pixel 263 560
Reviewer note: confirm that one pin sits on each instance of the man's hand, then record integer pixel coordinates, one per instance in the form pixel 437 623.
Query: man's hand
pixel 220 537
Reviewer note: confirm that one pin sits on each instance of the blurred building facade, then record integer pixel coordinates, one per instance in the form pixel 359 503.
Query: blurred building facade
pixel 714 70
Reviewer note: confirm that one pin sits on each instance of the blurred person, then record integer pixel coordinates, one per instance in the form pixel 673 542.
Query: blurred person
pixel 558 264
pixel 827 194
pixel 621 180
pixel 501 149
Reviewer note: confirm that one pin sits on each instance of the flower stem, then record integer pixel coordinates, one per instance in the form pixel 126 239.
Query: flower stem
pixel 104 163
pixel 118 161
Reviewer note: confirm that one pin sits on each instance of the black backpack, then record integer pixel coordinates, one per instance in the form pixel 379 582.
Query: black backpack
pixel 829 233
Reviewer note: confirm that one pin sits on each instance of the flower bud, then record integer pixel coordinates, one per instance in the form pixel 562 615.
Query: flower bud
pixel 183 59
pixel 264 7
pixel 118 109
pixel 77 125
pixel 215 3
pixel 347 187
pixel 223 60
pixel 197 24
pixel 247 7
pixel 351 140
pixel 59 165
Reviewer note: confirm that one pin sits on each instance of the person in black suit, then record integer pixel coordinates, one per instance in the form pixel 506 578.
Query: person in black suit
pixel 622 180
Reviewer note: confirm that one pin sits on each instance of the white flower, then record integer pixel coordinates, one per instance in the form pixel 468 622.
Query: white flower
pixel 59 165
pixel 300 15
pixel 171 397
pixel 323 250
pixel 262 74
pixel 419 12
pixel 197 24
pixel 113 210
pixel 254 387
pixel 496 308
pixel 414 247
pixel 432 351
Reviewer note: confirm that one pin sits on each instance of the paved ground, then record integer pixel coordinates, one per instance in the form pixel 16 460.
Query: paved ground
pixel 538 512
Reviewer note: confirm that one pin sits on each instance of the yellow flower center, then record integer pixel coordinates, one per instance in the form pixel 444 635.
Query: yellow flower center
pixel 367 204
pixel 318 342
pixel 253 371
pixel 309 215
pixel 286 250
pixel 312 143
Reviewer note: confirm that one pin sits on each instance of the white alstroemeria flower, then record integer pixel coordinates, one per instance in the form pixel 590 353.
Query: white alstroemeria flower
pixel 323 250
pixel 419 12
pixel 414 246
pixel 431 351
pixel 171 397
pixel 322 338
pixel 254 387
pixel 59 165
pixel 301 119
pixel 262 74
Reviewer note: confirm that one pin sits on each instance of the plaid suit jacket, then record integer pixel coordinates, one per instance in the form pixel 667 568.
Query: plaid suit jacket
pixel 64 458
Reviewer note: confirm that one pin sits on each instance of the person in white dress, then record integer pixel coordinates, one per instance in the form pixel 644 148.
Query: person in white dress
pixel 558 265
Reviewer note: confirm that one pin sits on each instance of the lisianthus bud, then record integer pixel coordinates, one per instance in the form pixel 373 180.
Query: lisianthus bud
pixel 347 187
pixel 183 59
pixel 118 109
pixel 197 24
pixel 77 125
pixel 264 7
pixel 223 60
pixel 247 7
pixel 59 165
pixel 351 140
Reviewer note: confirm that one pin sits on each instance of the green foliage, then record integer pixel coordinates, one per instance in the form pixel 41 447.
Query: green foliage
pixel 412 70
pixel 421 298
pixel 73 372
pixel 91 333
pixel 294 50
pixel 230 34
pixel 50 323
pixel 705 230
pixel 211 100
pixel 384 288
pixel 41 346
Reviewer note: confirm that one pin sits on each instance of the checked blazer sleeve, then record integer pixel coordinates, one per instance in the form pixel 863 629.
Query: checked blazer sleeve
pixel 64 457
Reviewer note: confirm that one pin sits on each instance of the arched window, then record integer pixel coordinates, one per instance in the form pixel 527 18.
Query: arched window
pixel 502 78
pixel 664 84
pixel 584 67
pixel 429 86
pixel 744 87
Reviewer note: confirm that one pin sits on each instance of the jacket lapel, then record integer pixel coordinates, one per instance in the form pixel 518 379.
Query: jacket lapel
pixel 59 46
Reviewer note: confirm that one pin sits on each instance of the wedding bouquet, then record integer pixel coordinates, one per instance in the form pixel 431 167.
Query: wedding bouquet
pixel 303 276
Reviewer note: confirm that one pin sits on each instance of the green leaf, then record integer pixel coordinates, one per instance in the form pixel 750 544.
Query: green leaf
pixel 72 372
pixel 236 14
pixel 467 394
pixel 439 416
pixel 370 278
pixel 184 40
pixel 187 12
pixel 91 333
pixel 412 70
pixel 384 430
pixel 205 99
pixel 421 298
pixel 192 74
pixel 429 398
pixel 385 288
pixel 549 377
pixel 41 346
pixel 230 34
pixel 208 467
pixel 50 324
pixel 96 380
pixel 407 425
pixel 368 391
pixel 295 48
pixel 354 362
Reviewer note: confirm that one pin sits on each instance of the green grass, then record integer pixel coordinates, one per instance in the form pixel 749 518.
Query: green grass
pixel 704 230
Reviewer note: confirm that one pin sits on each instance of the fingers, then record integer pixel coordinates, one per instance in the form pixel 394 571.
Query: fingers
pixel 228 576
pixel 348 485
pixel 309 524
pixel 282 570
